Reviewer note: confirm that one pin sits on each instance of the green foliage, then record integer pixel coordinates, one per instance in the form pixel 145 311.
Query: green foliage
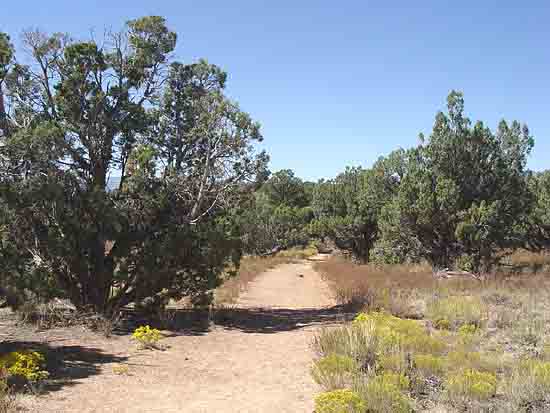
pixel 456 311
pixel 334 371
pixel 277 217
pixel 396 333
pixel 430 365
pixel 471 384
pixel 385 393
pixel 284 188
pixel 347 208
pixel 339 401
pixel 464 192
pixel 26 364
pixel 146 336
pixel 185 151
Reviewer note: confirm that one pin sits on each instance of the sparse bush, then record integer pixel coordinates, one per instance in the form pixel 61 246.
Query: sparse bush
pixel 470 385
pixel 463 359
pixel 339 401
pixel 455 311
pixel 385 393
pixel 529 384
pixel 394 360
pixel 147 337
pixel 334 371
pixel 529 330
pixel 357 341
pixel 429 365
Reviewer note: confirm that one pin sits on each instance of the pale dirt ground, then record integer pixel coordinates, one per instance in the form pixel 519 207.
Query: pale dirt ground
pixel 256 361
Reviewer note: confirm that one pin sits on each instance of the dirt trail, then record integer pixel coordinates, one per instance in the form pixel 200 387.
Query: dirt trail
pixel 256 361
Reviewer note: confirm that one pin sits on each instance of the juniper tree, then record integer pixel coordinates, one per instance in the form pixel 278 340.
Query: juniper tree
pixel 83 111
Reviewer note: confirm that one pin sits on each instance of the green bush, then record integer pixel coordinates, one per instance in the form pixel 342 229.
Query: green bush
pixel 385 393
pixel 26 364
pixel 393 332
pixel 334 371
pixel 470 384
pixel 453 312
pixel 339 401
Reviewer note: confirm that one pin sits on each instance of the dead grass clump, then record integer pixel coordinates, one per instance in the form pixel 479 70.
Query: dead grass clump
pixel 397 289
pixel 8 402
pixel 60 314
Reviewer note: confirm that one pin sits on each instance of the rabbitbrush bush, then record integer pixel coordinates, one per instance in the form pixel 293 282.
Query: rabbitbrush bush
pixel 385 393
pixel 26 364
pixel 470 384
pixel 339 401
pixel 393 332
pixel 147 337
pixel 453 312
pixel 334 371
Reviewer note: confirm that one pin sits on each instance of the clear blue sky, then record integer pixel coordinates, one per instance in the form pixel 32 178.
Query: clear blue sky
pixel 338 83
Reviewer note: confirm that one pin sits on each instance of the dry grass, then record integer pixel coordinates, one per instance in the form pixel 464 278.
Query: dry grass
pixel 251 267
pixel 493 329
pixel 8 402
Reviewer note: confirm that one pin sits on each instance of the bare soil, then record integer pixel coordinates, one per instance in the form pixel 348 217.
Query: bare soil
pixel 254 357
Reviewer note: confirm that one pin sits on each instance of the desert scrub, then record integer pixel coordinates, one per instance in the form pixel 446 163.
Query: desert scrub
pixel 453 312
pixel 463 359
pixel 385 393
pixel 29 365
pixel 339 401
pixel 7 398
pixel 334 371
pixel 147 337
pixel 470 385
pixel 407 335
pixel 428 365
pixel 530 383
pixel 356 341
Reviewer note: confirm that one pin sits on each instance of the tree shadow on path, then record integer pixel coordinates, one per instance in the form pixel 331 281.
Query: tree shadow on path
pixel 265 320
pixel 275 320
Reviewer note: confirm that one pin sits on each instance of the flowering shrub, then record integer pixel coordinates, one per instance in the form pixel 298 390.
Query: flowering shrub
pixel 339 401
pixel 27 364
pixel 146 336
pixel 393 332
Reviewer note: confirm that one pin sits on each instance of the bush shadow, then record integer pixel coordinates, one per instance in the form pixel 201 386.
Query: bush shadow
pixel 66 364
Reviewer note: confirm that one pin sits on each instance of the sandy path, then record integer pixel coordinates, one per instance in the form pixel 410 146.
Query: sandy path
pixel 257 360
